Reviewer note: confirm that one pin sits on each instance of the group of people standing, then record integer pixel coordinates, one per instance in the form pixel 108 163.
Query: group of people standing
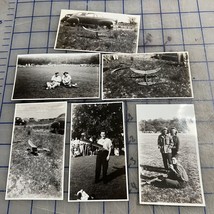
pixel 169 145
pixel 57 80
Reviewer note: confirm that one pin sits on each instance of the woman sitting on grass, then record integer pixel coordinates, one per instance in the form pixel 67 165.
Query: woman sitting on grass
pixel 176 177
pixel 67 81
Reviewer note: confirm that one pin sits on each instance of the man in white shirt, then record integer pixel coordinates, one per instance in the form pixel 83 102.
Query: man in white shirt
pixel 103 157
pixel 55 81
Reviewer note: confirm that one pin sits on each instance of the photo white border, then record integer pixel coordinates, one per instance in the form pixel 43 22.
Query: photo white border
pixel 96 12
pixel 197 153
pixel 146 98
pixel 125 156
pixel 63 158
pixel 61 99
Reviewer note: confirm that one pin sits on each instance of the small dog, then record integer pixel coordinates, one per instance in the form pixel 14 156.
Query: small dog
pixel 82 195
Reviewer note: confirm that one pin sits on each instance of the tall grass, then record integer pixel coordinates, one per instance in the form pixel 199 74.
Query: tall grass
pixel 36 176
pixel 115 40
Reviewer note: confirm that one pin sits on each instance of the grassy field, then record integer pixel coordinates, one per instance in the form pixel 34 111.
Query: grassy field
pixel 150 156
pixel 115 40
pixel 36 176
pixel 171 81
pixel 83 177
pixel 31 82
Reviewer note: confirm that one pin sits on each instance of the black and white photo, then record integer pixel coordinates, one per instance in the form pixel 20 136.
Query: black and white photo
pixel 168 155
pixel 146 75
pixel 98 165
pixel 36 165
pixel 57 76
pixel 97 31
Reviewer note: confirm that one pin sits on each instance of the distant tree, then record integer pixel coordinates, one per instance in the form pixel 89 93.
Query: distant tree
pixel 157 125
pixel 94 59
pixel 132 20
pixel 142 125
pixel 91 119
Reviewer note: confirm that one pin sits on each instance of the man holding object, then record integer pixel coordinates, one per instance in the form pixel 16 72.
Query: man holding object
pixel 103 157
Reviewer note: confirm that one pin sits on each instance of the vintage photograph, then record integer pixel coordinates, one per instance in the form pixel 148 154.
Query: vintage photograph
pixel 97 31
pixel 36 165
pixel 168 155
pixel 57 76
pixel 98 164
pixel 146 75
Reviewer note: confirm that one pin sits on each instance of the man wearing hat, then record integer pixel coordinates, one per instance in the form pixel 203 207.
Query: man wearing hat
pixel 55 81
pixel 165 144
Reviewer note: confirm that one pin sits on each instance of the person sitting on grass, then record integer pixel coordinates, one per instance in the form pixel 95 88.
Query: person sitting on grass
pixel 67 81
pixel 55 81
pixel 176 177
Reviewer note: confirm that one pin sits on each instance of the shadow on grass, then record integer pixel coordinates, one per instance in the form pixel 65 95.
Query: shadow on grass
pixel 118 172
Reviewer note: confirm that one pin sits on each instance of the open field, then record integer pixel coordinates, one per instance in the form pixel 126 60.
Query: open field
pixel 36 176
pixel 172 80
pixel 150 158
pixel 31 82
pixel 82 174
pixel 114 40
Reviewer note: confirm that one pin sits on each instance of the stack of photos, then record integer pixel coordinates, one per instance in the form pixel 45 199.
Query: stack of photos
pixel 36 167
pixel 149 75
pixel 168 156
pixel 98 165
pixel 57 76
pixel 96 31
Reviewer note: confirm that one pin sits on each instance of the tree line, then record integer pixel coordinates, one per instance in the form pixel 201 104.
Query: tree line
pixel 94 59
pixel 91 119
pixel 157 125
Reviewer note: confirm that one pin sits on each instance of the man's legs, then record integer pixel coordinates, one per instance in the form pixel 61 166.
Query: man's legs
pixel 164 156
pixel 98 166
pixel 105 166
pixel 51 85
pixel 55 84
pixel 171 183
pixel 48 85
pixel 169 157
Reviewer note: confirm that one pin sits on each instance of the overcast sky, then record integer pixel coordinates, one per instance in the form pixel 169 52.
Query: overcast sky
pixel 58 57
pixel 167 112
pixel 40 110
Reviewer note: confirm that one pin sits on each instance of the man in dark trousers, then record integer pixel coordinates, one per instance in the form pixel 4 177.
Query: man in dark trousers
pixel 176 142
pixel 165 144
pixel 103 157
